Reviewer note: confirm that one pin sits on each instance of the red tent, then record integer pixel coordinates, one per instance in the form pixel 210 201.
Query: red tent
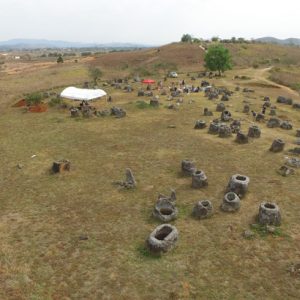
pixel 148 81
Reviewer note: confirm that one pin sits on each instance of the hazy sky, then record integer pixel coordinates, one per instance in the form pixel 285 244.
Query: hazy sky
pixel 147 21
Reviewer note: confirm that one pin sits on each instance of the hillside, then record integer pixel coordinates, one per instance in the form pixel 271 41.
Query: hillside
pixel 186 56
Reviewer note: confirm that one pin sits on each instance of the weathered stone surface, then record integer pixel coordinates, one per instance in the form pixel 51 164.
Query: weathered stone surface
pixel 61 165
pixel 269 214
pixel 188 167
pixel 292 162
pixel 248 234
pixel 207 112
pixel 259 117
pixel 118 112
pixel 235 126
pixel 295 150
pixel 165 210
pixel 171 198
pixel 296 105
pixel 203 209
pixel 214 127
pixel 162 239
pixel 254 131
pixel 199 179
pixel 129 182
pixel 103 113
pixel 241 138
pixel 285 171
pixel 74 112
pixel 225 98
pixel 273 123
pixel 148 93
pixel 220 107
pixel 231 202
pixel 226 116
pixel 284 100
pixel 238 184
pixel 224 131
pixel 277 145
pixel 200 124
pixel 286 125
pixel 272 112
pixel 298 133
pixel 246 108
pixel 154 102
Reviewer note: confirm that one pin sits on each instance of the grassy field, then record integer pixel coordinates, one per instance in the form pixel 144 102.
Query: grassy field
pixel 44 217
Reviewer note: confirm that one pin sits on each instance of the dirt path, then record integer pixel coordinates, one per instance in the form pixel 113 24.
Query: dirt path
pixel 260 74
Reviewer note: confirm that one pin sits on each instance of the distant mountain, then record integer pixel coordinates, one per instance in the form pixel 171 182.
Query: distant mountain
pixel 272 40
pixel 17 44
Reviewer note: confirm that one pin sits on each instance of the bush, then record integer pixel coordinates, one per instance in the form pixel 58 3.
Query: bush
pixel 60 59
pixel 33 99
pixel 186 38
pixel 142 104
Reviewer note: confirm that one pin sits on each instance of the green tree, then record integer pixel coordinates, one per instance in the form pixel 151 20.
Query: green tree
pixel 60 59
pixel 186 38
pixel 215 39
pixel 95 73
pixel 217 58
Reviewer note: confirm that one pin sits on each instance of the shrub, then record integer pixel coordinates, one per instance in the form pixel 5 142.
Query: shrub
pixel 33 99
pixel 60 59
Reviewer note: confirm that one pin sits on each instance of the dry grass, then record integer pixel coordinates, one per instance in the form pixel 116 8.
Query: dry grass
pixel 289 76
pixel 43 215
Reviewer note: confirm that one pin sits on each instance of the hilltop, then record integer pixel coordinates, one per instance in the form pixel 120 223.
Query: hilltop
pixel 272 40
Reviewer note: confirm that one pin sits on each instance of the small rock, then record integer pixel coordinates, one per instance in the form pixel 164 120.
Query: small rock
pixel 83 237
pixel 248 234
pixel 171 126
pixel 271 229
pixel 20 166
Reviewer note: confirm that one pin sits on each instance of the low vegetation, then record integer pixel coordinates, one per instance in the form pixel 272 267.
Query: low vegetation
pixel 78 236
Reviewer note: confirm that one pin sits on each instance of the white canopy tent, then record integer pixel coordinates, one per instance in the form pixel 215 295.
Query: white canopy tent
pixel 74 93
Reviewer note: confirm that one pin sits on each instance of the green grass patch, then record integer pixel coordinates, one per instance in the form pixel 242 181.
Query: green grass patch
pixel 141 104
pixel 263 231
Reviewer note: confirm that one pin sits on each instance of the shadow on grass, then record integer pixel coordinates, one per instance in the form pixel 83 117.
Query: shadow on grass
pixel 143 252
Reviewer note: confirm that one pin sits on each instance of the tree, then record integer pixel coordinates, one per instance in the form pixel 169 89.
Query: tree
pixel 60 59
pixel 186 38
pixel 215 39
pixel 95 73
pixel 218 58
